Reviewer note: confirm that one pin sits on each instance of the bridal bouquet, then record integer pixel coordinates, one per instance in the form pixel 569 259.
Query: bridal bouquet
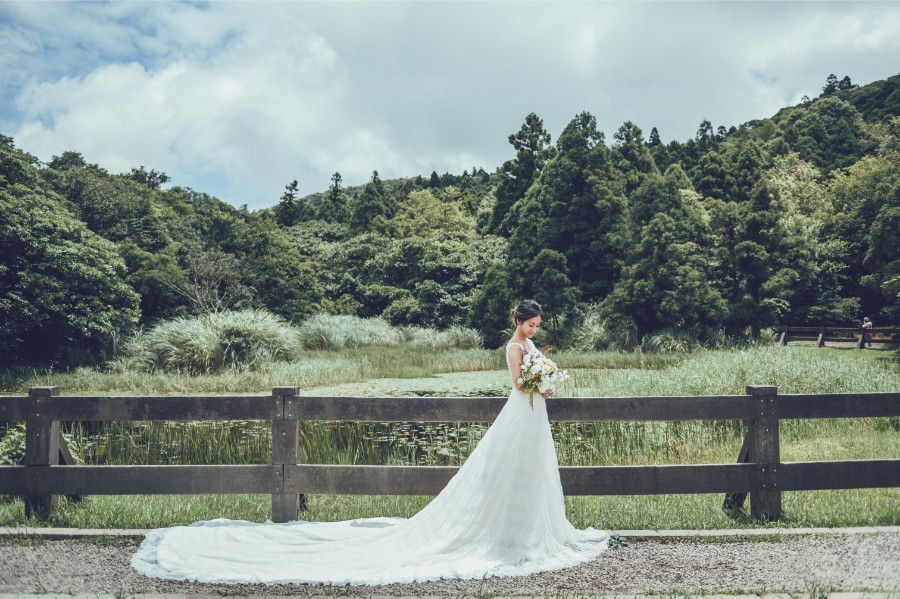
pixel 538 373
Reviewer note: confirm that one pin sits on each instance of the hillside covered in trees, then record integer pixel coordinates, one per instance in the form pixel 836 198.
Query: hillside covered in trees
pixel 788 219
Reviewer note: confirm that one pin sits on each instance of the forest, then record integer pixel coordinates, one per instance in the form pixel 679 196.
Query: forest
pixel 789 219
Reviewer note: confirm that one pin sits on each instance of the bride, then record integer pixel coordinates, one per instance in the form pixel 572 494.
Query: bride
pixel 502 514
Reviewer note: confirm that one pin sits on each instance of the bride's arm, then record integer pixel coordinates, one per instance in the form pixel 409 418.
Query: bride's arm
pixel 514 355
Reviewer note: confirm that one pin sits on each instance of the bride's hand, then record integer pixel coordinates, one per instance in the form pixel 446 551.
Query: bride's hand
pixel 549 392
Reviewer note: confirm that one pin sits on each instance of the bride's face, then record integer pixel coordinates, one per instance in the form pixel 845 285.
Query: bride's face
pixel 530 327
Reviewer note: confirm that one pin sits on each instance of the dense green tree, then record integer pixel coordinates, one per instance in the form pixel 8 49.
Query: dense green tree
pixel 845 83
pixel 370 211
pixel 143 221
pixel 153 179
pixel 533 149
pixel 577 207
pixel 432 213
pixel 61 285
pixel 711 178
pixel 272 269
pixel 631 156
pixel 866 198
pixel 677 177
pixel 552 288
pixel 748 170
pixel 17 166
pixel 491 304
pixel 667 281
pixel 334 207
pixel 705 138
pixel 759 268
pixel 660 194
pixel 291 209
pixel 829 133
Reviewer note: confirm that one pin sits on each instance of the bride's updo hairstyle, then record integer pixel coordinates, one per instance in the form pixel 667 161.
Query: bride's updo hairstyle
pixel 525 310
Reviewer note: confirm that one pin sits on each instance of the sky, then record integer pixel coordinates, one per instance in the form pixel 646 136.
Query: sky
pixel 237 99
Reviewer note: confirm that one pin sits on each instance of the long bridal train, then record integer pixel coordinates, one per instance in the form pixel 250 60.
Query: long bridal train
pixel 503 514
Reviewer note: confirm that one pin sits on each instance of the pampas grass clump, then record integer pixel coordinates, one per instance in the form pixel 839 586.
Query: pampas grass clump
pixel 245 339
pixel 338 331
pixel 341 331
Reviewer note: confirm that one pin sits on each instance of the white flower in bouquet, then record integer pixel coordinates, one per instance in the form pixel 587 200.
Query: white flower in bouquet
pixel 538 373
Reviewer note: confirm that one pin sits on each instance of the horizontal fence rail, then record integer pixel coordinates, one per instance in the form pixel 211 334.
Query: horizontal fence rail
pixel 76 408
pixel 889 335
pixel 759 471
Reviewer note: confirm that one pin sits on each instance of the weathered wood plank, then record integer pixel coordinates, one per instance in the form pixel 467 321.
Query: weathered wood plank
pixel 659 479
pixel 446 409
pixel 712 407
pixel 139 480
pixel 838 405
pixel 765 451
pixel 418 480
pixel 484 409
pixel 396 409
pixel 734 500
pixel 66 459
pixel 614 480
pixel 847 474
pixel 285 450
pixel 103 408
pixel 367 480
pixel 576 480
pixel 42 437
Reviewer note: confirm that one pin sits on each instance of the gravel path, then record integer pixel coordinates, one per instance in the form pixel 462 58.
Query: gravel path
pixel 828 562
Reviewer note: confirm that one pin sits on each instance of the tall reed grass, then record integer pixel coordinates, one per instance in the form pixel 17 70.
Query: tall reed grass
pixel 242 340
pixel 338 331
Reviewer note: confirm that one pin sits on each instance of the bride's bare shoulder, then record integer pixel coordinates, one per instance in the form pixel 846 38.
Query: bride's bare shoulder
pixel 515 344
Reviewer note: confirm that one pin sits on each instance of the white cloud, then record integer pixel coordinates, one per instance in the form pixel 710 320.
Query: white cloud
pixel 243 97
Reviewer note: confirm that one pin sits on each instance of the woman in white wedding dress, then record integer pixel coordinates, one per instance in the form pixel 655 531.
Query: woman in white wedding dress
pixel 502 514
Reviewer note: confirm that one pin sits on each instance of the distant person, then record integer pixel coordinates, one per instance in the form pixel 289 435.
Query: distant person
pixel 867 330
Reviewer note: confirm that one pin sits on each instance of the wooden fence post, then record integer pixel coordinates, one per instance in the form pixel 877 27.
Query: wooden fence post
pixel 784 335
pixel 285 446
pixel 765 451
pixel 41 449
pixel 820 342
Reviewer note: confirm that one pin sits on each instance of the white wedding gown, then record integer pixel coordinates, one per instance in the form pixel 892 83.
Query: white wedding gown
pixel 502 514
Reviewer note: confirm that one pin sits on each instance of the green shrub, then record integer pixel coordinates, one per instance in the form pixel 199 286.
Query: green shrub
pixel 465 338
pixel 597 333
pixel 669 341
pixel 340 331
pixel 12 444
pixel 244 339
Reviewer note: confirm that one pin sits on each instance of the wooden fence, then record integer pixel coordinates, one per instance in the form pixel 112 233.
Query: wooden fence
pixel 823 335
pixel 758 472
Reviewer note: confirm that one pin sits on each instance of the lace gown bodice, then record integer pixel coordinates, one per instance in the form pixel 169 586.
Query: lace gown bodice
pixel 502 514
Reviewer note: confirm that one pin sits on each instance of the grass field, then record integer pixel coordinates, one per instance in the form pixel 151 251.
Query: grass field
pixel 400 371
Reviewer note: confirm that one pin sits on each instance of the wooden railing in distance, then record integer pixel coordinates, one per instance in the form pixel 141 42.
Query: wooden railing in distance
pixel 759 471
pixel 826 334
